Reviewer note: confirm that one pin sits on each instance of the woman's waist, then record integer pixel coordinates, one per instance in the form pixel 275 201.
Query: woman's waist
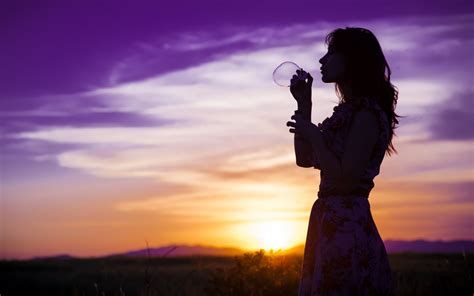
pixel 338 192
pixel 324 195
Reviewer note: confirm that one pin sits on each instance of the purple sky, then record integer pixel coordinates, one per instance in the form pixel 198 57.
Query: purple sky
pixel 134 95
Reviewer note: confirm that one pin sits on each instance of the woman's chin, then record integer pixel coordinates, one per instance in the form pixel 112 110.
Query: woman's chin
pixel 325 79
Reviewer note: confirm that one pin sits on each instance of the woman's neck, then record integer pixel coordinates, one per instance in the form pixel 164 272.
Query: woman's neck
pixel 348 91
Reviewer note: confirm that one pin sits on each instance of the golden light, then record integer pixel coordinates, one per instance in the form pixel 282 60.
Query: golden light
pixel 274 235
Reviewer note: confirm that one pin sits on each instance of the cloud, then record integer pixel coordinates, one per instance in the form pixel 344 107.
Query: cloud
pixel 453 119
pixel 216 202
pixel 226 107
pixel 408 193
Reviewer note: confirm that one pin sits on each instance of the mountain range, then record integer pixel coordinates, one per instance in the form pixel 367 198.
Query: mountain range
pixel 392 246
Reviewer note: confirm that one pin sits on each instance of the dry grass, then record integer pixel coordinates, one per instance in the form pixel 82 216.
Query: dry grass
pixel 257 273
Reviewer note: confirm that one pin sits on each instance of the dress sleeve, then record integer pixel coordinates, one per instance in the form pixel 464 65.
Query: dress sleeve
pixel 316 163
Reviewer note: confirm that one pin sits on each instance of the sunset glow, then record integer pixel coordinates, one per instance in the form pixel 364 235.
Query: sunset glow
pixel 275 235
pixel 135 122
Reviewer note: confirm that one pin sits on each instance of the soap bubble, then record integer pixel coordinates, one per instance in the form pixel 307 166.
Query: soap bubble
pixel 284 72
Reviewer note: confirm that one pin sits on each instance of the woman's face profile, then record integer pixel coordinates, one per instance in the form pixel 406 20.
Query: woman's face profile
pixel 332 66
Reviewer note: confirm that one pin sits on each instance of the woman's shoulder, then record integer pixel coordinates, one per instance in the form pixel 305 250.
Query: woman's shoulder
pixel 372 104
pixel 345 111
pixel 341 116
pixel 338 118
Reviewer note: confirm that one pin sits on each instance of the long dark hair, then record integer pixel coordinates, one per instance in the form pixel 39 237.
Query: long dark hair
pixel 365 72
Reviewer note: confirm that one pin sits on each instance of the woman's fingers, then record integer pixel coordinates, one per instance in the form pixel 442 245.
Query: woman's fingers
pixel 295 80
pixel 295 116
pixel 292 124
pixel 301 74
pixel 295 124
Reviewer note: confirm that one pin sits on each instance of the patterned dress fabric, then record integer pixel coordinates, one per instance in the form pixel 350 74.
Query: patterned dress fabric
pixel 344 252
pixel 334 130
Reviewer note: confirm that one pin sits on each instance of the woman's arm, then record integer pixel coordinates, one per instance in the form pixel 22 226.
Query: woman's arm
pixel 303 148
pixel 303 152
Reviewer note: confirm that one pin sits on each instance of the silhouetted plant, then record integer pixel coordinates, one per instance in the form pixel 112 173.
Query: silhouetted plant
pixel 256 274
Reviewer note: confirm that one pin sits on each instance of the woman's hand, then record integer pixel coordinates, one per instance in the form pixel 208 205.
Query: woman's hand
pixel 301 126
pixel 299 88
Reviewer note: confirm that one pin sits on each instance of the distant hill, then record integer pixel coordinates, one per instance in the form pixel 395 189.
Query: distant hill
pixel 395 246
pixel 422 246
pixel 58 257
pixel 392 246
pixel 182 250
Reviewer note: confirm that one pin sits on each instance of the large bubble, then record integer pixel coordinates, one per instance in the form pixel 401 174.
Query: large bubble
pixel 284 72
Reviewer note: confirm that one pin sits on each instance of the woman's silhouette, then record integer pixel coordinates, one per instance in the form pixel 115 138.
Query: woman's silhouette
pixel 344 253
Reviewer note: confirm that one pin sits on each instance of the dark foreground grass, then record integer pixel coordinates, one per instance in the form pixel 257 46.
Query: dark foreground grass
pixel 258 273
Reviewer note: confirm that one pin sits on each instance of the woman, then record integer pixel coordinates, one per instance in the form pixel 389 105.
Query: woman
pixel 344 253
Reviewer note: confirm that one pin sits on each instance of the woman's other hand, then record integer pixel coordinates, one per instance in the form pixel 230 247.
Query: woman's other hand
pixel 301 126
pixel 300 88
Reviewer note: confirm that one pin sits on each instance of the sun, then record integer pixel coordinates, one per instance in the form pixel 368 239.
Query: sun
pixel 274 235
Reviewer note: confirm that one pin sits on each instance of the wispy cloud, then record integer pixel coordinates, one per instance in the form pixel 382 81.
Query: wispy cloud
pixel 454 120
pixel 228 103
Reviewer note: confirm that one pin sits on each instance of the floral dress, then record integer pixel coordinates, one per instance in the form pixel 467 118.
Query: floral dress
pixel 344 253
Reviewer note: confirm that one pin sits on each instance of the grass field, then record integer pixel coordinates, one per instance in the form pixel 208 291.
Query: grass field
pixel 258 273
